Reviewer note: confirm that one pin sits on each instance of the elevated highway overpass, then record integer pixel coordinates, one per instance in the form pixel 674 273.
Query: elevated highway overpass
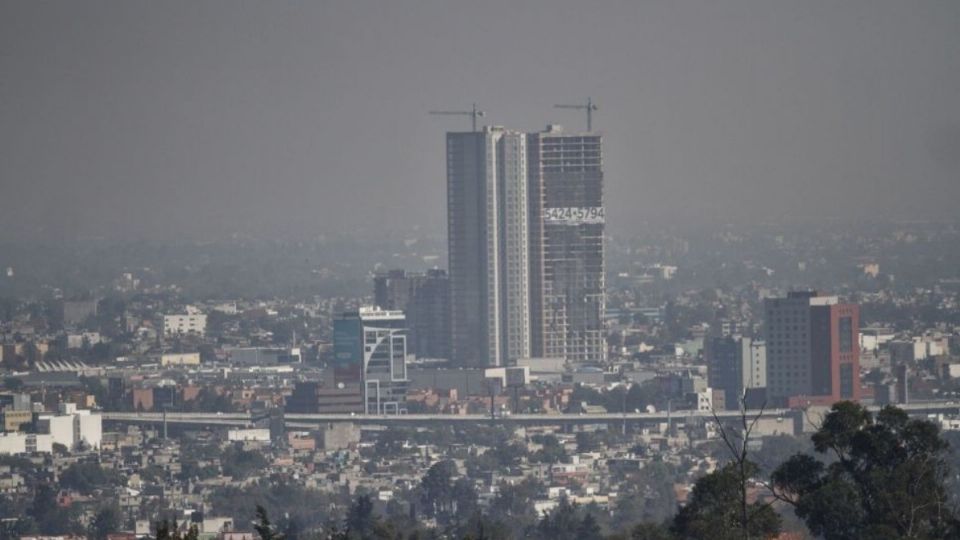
pixel 305 421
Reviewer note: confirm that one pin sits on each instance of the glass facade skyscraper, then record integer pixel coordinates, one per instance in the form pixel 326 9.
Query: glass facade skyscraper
pixel 370 353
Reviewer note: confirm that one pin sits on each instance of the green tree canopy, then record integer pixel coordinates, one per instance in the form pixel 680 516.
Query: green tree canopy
pixel 647 497
pixel 887 480
pixel 265 529
pixel 86 477
pixel 562 523
pixel 437 489
pixel 104 522
pixel 714 510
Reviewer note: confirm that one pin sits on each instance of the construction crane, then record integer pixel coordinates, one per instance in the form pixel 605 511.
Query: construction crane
pixel 473 114
pixel 590 106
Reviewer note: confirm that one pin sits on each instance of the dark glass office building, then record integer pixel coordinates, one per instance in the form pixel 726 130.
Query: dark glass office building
pixel 425 300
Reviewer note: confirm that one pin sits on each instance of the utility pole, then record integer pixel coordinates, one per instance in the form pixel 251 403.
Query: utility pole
pixel 589 106
pixel 473 113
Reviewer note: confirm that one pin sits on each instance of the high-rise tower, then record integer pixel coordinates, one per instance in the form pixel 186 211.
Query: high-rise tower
pixel 525 237
pixel 488 246
pixel 568 256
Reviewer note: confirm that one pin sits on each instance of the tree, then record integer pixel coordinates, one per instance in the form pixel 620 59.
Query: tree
pixel 289 500
pixel 85 477
pixel 464 497
pixel 239 463
pixel 50 518
pixel 727 487
pixel 437 486
pixel 514 502
pixel 587 442
pixel 361 519
pixel 167 530
pixel 562 523
pixel 292 528
pixel 714 509
pixel 648 497
pixel 391 442
pixel 738 442
pixel 13 529
pixel 482 527
pixel 650 531
pixel 163 529
pixel 506 455
pixel 589 529
pixel 552 451
pixel 104 522
pixel 778 448
pixel 193 533
pixel 888 479
pixel 953 460
pixel 264 528
pixel 583 395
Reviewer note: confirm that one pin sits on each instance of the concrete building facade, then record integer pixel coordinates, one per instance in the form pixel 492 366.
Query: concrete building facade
pixel 191 322
pixel 812 349
pixel 72 427
pixel 736 364
pixel 568 268
pixel 525 224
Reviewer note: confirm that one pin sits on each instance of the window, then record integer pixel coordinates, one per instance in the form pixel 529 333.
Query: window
pixel 846 380
pixel 846 334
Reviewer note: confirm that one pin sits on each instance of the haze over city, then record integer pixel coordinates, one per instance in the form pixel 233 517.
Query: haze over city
pixel 486 270
pixel 198 120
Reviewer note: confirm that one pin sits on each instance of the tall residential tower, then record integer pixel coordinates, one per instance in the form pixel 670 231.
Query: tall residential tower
pixel 568 259
pixel 525 231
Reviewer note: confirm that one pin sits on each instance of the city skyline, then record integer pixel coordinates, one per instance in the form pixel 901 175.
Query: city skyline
pixel 547 270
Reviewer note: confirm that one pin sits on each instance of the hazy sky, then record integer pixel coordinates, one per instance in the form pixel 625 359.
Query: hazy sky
pixel 204 117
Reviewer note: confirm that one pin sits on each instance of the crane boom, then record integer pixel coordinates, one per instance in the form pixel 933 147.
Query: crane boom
pixel 589 106
pixel 474 113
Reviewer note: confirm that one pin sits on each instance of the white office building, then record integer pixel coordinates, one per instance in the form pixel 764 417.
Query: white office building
pixel 370 351
pixel 25 443
pixel 190 323
pixel 72 427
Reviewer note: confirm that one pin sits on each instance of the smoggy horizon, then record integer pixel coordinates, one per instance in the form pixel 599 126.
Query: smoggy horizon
pixel 196 120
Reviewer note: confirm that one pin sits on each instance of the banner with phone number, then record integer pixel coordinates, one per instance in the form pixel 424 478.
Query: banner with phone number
pixel 573 215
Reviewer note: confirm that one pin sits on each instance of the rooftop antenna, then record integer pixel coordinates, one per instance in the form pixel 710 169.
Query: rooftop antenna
pixel 590 106
pixel 473 113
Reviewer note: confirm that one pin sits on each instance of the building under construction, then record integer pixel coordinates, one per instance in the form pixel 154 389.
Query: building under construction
pixel 525 233
pixel 567 276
